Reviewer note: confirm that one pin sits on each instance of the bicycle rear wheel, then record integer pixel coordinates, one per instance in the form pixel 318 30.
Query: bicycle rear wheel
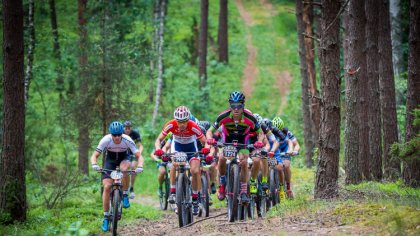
pixel 164 194
pixel 116 205
pixel 232 191
pixel 204 195
pixel 273 188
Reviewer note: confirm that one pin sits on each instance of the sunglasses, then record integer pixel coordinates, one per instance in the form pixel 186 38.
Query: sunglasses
pixel 116 135
pixel 182 122
pixel 236 106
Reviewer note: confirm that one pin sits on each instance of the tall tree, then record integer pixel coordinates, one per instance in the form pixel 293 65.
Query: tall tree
pixel 396 36
pixel 222 38
pixel 411 172
pixel 56 50
pixel 308 20
pixel 392 168
pixel 31 49
pixel 307 124
pixel 160 65
pixel 374 112
pixel 83 140
pixel 329 50
pixel 12 162
pixel 355 77
pixel 202 48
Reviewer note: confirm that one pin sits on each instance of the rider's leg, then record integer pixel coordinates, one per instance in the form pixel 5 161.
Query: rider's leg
pixel 264 169
pixel 125 165
pixel 172 176
pixel 107 183
pixel 255 168
pixel 133 166
pixel 288 176
pixel 161 175
pixel 243 163
pixel 222 178
pixel 196 180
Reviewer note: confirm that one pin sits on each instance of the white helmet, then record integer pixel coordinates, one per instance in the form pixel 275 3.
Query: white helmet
pixel 182 113
pixel 258 117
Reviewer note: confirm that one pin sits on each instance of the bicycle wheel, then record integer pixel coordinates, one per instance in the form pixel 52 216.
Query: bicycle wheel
pixel 273 190
pixel 164 193
pixel 232 191
pixel 204 196
pixel 183 195
pixel 116 210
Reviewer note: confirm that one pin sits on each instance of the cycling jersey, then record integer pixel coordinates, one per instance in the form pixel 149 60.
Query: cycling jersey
pixel 135 136
pixel 253 136
pixel 238 130
pixel 183 140
pixel 116 151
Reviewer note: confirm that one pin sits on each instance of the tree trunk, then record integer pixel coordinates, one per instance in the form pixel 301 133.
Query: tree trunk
pixel 307 125
pixel 12 162
pixel 308 19
pixel 374 111
pixel 396 36
pixel 202 49
pixel 411 172
pixel 160 59
pixel 355 77
pixel 31 49
pixel 327 171
pixel 392 168
pixel 84 140
pixel 223 32
pixel 56 50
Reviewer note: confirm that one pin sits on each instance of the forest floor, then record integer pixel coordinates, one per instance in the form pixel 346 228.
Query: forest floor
pixel 321 223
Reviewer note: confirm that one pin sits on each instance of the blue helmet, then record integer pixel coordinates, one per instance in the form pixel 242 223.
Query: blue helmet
pixel 236 96
pixel 116 128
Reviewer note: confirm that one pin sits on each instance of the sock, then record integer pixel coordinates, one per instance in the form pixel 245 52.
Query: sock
pixel 264 179
pixel 223 180
pixel 288 186
pixel 125 193
pixel 244 188
pixel 106 214
pixel 131 189
pixel 172 189
pixel 194 195
pixel 281 187
pixel 252 181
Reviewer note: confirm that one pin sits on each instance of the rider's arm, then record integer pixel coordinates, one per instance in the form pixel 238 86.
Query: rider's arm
pixel 290 149
pixel 140 159
pixel 158 141
pixel 167 145
pixel 94 157
pixel 209 134
pixel 296 145
pixel 152 155
pixel 140 145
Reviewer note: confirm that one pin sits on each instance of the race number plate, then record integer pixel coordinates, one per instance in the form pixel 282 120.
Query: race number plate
pixel 272 162
pixel 230 152
pixel 180 158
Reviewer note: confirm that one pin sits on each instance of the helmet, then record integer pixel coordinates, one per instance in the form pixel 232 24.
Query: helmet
pixel 127 123
pixel 236 96
pixel 278 122
pixel 182 113
pixel 205 124
pixel 267 123
pixel 258 117
pixel 116 128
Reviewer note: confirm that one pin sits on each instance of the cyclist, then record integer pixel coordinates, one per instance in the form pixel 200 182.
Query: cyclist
pixel 294 150
pixel 165 145
pixel 265 125
pixel 135 136
pixel 237 123
pixel 185 134
pixel 116 145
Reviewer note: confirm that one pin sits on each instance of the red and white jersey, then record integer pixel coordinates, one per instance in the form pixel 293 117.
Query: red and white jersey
pixel 189 135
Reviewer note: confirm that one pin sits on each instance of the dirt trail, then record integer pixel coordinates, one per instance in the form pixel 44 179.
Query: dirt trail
pixel 250 74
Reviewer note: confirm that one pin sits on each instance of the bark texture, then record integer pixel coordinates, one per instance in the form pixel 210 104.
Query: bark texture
pixel 327 171
pixel 223 32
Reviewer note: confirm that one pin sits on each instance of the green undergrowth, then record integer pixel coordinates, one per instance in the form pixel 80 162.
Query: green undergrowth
pixel 388 208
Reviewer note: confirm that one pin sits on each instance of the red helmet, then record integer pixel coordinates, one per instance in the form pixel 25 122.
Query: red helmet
pixel 182 113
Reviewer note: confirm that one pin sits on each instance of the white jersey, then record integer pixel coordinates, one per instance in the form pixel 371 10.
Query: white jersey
pixel 106 144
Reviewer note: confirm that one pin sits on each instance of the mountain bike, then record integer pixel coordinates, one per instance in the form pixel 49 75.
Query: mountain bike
pixel 205 188
pixel 236 209
pixel 164 188
pixel 273 180
pixel 116 194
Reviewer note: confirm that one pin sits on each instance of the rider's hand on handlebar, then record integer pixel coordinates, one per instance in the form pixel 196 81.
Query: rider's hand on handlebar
pixel 139 169
pixel 211 141
pixel 158 152
pixel 205 151
pixel 270 154
pixel 258 144
pixel 209 160
pixel 95 167
pixel 165 158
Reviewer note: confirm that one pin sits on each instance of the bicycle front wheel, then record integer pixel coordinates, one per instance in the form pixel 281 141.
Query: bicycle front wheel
pixel 204 195
pixel 183 195
pixel 232 191
pixel 116 211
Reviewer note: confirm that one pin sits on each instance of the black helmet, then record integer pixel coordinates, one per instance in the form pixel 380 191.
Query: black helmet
pixel 205 124
pixel 127 123
pixel 236 96
pixel 267 123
